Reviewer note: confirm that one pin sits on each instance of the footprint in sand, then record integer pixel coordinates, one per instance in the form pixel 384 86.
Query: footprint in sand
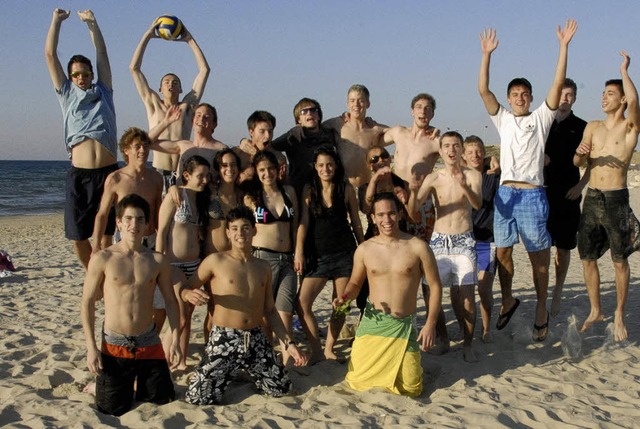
pixel 571 340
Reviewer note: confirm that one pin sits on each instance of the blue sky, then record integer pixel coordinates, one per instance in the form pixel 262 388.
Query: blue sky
pixel 267 55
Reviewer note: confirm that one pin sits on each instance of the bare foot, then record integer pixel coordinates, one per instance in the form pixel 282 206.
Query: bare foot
pixel 469 355
pixel 182 366
pixel 487 337
pixel 619 329
pixel 331 356
pixel 90 388
pixel 597 317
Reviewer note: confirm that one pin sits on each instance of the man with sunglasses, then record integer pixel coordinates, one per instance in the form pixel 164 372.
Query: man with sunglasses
pixel 301 141
pixel 89 131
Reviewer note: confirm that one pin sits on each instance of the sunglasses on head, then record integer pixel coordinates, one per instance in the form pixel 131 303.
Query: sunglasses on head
pixel 376 158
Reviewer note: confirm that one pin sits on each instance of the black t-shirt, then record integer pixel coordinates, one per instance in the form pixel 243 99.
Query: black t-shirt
pixel 560 174
pixel 483 217
pixel 299 145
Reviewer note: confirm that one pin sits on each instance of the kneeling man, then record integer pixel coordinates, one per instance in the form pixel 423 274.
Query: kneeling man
pixel 386 351
pixel 240 287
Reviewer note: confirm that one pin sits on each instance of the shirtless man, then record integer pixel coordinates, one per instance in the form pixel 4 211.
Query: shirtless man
pixel 260 125
pixel 127 274
pixel 170 90
pixel 240 286
pixel 205 121
pixel 606 148
pixel 90 137
pixel 457 191
pixel 521 206
pixel 416 146
pixel 133 178
pixel 385 352
pixel 357 135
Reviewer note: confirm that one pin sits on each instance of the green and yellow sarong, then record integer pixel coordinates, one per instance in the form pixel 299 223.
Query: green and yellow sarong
pixel 385 354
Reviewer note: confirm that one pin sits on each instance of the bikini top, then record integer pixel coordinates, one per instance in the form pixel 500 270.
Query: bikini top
pixel 184 214
pixel 264 216
pixel 215 208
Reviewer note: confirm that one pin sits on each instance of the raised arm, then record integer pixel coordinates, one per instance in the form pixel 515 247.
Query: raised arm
pixel 197 89
pixel 418 196
pixel 167 146
pixel 102 59
pixel 630 94
pixel 140 80
pixel 564 37
pixel 51 48
pixel 471 183
pixel 93 283
pixel 488 44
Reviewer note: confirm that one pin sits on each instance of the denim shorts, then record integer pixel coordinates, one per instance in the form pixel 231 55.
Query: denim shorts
pixel 284 281
pixel 604 224
pixel 522 212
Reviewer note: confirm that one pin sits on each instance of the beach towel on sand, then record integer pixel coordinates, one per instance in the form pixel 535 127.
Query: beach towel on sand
pixel 385 354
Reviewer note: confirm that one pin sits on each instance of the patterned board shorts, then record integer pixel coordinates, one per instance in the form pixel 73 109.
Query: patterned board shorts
pixel 229 350
pixel 456 258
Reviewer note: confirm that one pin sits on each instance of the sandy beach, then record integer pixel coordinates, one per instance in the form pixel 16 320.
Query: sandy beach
pixel 516 384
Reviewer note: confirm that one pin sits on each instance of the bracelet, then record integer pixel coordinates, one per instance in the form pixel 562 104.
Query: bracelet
pixel 289 343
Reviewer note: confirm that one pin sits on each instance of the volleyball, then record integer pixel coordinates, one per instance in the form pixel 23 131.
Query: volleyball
pixel 168 27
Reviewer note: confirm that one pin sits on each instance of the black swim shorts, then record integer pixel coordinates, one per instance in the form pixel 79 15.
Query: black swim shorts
pixel 83 194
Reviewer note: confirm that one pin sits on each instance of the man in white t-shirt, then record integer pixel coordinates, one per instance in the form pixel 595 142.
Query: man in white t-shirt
pixel 521 207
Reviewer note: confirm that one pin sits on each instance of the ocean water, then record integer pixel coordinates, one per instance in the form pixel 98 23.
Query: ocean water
pixel 32 187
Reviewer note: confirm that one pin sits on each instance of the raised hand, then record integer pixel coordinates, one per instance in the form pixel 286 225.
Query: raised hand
pixel 185 35
pixel 173 114
pixel 61 14
pixel 566 34
pixel 488 41
pixel 626 60
pixel 86 15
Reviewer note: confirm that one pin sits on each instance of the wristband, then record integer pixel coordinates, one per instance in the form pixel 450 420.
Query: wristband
pixel 289 343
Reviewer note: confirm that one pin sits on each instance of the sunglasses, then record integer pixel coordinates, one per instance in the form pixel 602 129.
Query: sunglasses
pixel 84 74
pixel 308 110
pixel 376 158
